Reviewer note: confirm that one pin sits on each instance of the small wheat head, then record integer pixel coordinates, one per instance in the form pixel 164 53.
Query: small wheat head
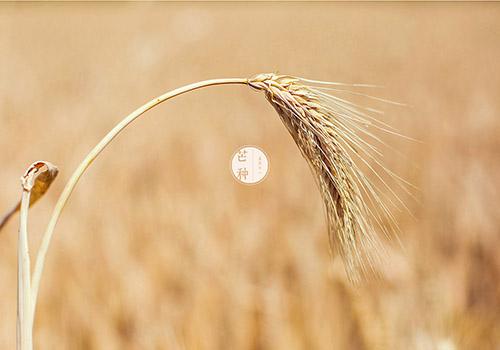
pixel 327 131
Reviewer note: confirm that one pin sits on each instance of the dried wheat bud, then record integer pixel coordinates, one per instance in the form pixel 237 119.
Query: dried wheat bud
pixel 36 179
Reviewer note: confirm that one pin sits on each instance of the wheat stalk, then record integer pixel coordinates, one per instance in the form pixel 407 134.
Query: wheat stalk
pixel 35 183
pixel 330 133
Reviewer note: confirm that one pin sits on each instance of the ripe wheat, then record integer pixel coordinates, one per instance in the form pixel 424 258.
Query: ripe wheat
pixel 332 135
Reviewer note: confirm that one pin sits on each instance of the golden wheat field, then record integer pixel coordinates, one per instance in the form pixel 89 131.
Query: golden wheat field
pixel 160 248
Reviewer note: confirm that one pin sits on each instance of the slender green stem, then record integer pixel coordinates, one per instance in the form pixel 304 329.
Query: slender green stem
pixel 24 307
pixel 68 189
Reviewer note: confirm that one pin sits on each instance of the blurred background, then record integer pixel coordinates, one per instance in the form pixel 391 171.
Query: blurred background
pixel 159 247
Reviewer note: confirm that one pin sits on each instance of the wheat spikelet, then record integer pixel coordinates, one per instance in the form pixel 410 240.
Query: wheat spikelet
pixel 325 129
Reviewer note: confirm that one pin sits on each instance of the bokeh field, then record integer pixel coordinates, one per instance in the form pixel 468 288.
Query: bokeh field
pixel 159 247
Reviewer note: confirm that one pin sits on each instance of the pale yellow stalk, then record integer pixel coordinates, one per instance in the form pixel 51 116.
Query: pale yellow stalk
pixel 24 323
pixel 68 189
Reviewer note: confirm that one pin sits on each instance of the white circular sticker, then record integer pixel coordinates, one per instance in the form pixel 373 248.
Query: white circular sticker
pixel 249 165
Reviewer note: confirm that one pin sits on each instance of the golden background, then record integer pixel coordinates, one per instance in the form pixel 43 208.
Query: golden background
pixel 159 248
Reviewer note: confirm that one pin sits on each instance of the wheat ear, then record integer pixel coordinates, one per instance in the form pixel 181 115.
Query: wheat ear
pixel 327 132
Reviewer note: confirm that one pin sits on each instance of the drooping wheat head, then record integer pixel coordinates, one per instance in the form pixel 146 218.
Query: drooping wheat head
pixel 330 133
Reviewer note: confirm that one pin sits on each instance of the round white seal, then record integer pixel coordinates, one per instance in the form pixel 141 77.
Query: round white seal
pixel 249 165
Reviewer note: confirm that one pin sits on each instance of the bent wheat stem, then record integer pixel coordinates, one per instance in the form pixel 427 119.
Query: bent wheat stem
pixel 75 177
